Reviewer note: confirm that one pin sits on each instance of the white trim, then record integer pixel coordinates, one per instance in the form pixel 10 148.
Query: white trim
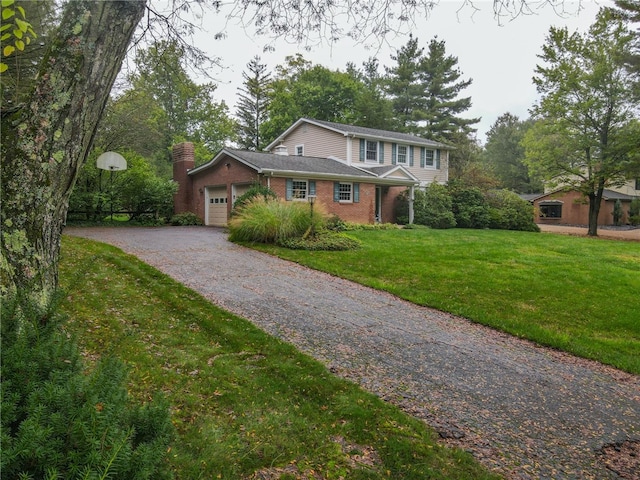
pixel 301 147
pixel 350 192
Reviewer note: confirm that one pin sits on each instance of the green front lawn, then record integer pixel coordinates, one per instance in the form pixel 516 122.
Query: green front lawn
pixel 245 405
pixel 580 295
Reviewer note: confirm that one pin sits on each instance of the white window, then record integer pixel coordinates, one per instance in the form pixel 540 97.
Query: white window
pixel 300 150
pixel 299 190
pixel 345 192
pixel 429 158
pixel 402 154
pixel 371 151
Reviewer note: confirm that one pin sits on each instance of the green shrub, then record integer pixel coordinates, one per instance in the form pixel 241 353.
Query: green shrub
pixel 185 218
pixel 256 190
pixel 634 212
pixel 324 240
pixel 273 221
pixel 335 224
pixel 57 421
pixel 469 206
pixel 510 212
pixel 370 226
pixel 432 207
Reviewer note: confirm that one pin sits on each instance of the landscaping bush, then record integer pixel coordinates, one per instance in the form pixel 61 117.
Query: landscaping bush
pixel 256 190
pixel 335 224
pixel 273 221
pixel 469 206
pixel 432 207
pixel 510 212
pixel 185 219
pixel 634 212
pixel 324 240
pixel 57 421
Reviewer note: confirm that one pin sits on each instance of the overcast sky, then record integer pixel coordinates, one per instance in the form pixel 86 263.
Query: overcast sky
pixel 499 58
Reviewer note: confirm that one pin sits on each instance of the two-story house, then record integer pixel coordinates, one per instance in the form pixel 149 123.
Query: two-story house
pixel 365 147
pixel 356 173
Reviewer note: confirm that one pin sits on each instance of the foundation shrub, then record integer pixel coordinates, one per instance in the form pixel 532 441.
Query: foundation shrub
pixel 325 240
pixel 255 191
pixel 507 211
pixel 634 212
pixel 58 421
pixel 185 219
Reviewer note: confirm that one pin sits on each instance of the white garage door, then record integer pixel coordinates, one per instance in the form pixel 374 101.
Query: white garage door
pixel 217 206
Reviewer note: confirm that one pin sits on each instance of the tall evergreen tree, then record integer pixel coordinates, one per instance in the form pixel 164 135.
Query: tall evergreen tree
pixel 441 77
pixel 405 88
pixel 424 90
pixel 252 108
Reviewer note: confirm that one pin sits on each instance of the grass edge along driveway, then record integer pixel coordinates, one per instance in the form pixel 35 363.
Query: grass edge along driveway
pixel 579 295
pixel 245 405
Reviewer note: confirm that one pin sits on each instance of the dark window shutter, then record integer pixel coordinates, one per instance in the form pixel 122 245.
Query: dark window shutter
pixel 381 152
pixel 438 159
pixel 411 155
pixel 336 191
pixel 394 149
pixel 356 192
pixel 422 155
pixel 289 189
pixel 312 187
pixel 362 148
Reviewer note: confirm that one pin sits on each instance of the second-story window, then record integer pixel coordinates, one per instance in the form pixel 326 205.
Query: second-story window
pixel 429 158
pixel 402 154
pixel 300 150
pixel 372 151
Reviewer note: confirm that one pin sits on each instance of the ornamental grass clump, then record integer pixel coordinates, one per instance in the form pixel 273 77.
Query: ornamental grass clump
pixel 274 221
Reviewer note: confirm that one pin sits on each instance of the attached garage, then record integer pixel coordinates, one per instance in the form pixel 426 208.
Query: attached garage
pixel 216 206
pixel 238 190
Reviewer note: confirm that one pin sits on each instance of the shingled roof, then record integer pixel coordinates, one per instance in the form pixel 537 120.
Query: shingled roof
pixel 364 132
pixel 280 165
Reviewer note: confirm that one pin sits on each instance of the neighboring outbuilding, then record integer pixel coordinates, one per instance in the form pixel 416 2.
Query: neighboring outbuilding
pixel 356 173
pixel 564 207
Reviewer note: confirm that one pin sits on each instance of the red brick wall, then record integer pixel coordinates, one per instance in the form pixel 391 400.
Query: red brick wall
pixel 389 202
pixel 575 210
pixel 357 212
pixel 228 171
pixel 183 161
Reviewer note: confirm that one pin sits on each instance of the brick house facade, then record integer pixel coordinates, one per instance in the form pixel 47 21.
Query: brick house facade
pixel 353 194
pixel 572 208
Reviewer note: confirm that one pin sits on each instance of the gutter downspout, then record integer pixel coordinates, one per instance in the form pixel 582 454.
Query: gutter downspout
pixel 411 198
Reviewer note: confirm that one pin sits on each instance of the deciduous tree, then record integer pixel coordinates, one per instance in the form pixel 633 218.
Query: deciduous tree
pixel 504 153
pixel 586 131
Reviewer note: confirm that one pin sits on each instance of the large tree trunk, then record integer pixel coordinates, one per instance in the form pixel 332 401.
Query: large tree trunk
pixel 595 199
pixel 45 142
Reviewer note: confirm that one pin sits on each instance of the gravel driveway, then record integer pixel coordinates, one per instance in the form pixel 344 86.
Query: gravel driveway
pixel 522 410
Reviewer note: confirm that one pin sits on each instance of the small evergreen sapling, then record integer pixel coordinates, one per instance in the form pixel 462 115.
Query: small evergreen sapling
pixel 57 421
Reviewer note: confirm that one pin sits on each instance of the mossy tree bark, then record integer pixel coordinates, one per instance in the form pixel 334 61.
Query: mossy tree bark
pixel 47 139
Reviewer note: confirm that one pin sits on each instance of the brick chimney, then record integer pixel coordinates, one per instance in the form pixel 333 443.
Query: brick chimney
pixel 183 161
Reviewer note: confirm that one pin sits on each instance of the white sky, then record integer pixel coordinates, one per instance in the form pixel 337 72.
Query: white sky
pixel 499 58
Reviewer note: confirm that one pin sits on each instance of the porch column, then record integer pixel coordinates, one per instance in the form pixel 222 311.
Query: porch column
pixel 411 197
